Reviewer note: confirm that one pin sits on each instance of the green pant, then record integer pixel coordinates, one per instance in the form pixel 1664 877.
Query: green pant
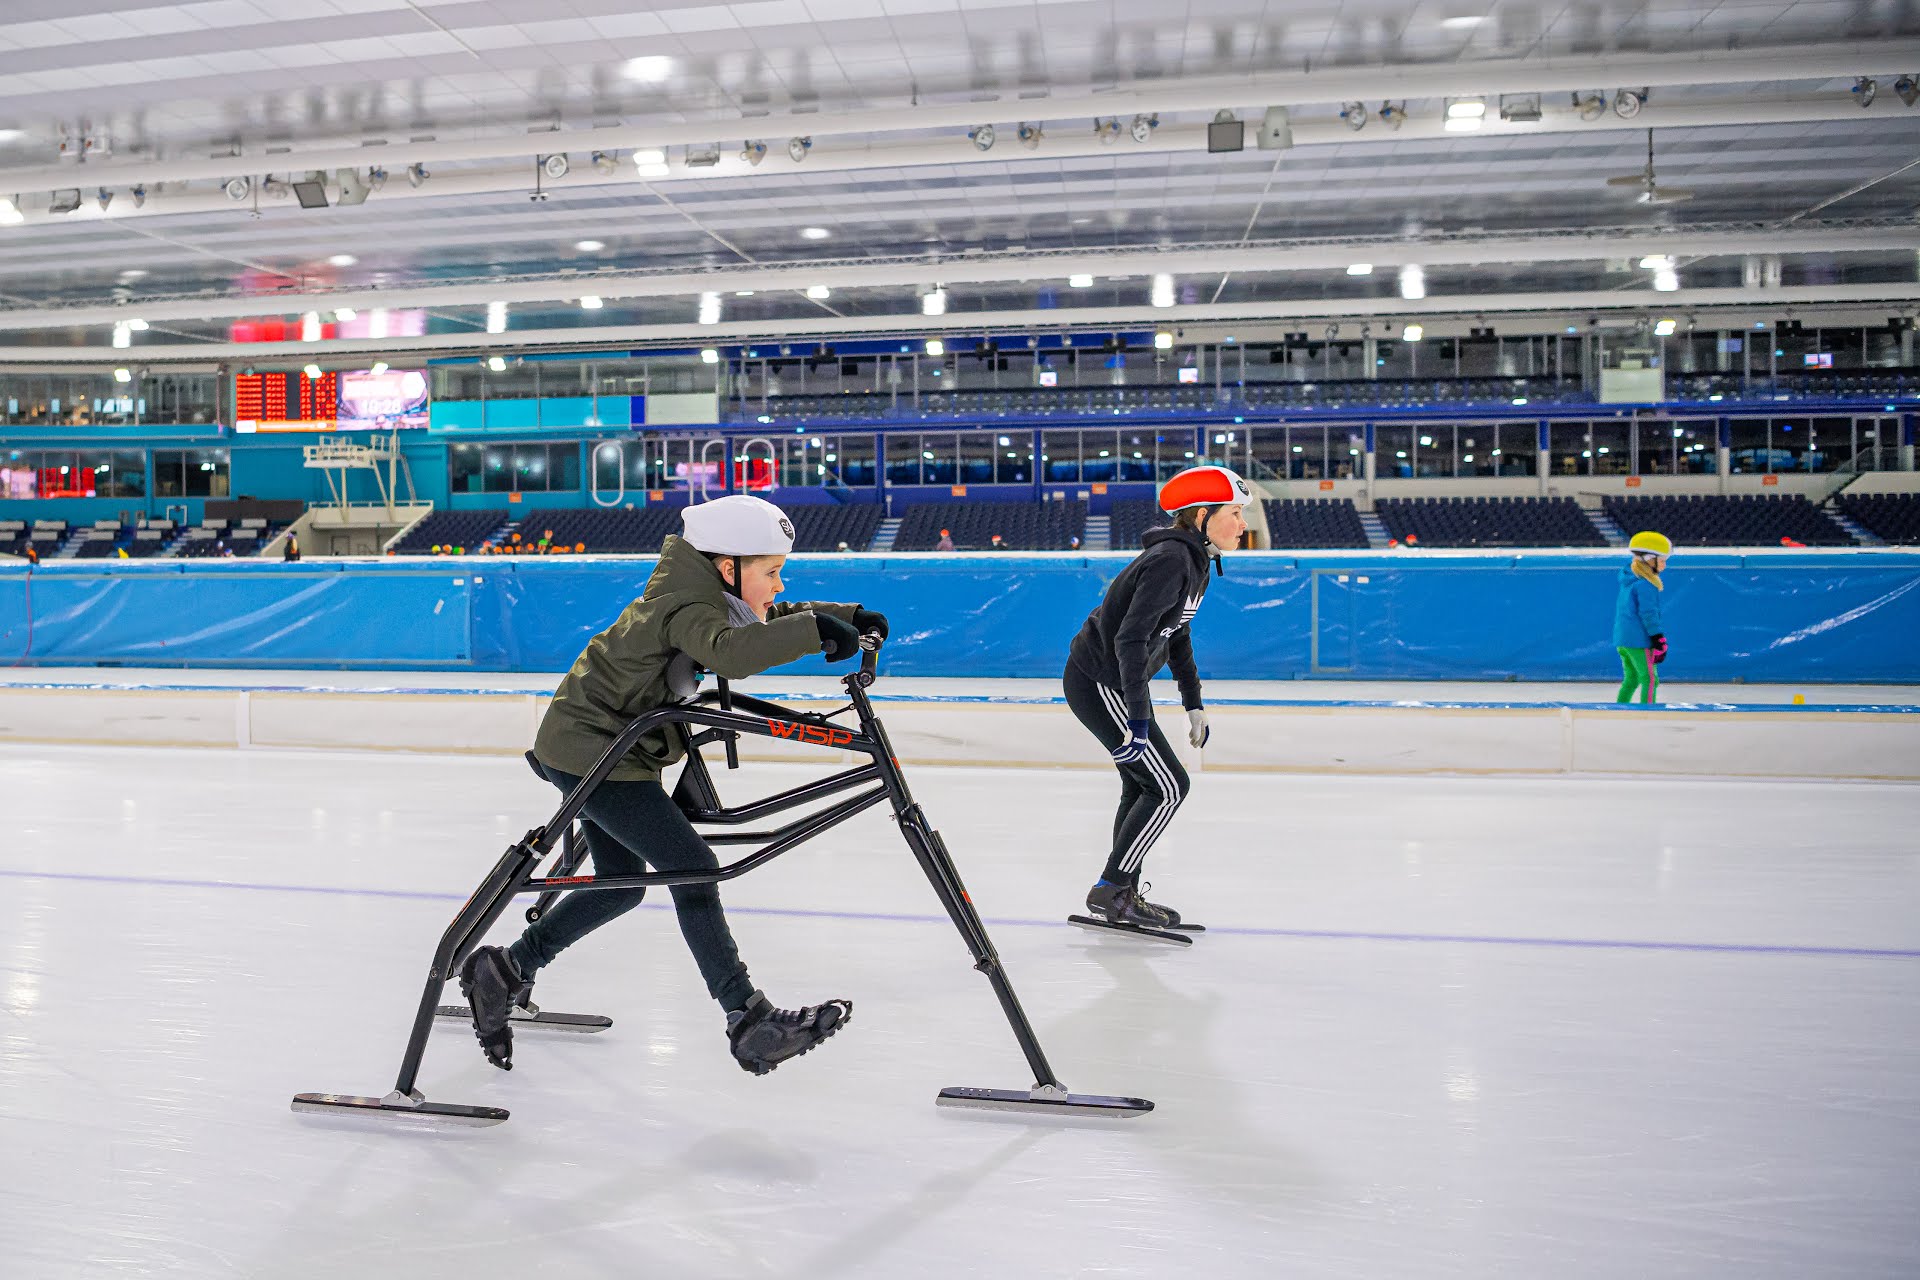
pixel 1638 674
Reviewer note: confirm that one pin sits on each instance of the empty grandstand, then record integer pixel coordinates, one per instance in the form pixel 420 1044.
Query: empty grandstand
pixel 1298 523
pixel 1021 526
pixel 1891 517
pixel 1489 522
pixel 823 527
pixel 450 528
pixel 1722 521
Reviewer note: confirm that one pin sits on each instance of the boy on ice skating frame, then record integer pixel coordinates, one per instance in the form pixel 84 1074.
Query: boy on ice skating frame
pixel 710 598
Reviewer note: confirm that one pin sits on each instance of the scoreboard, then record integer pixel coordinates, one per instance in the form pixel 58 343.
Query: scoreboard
pixel 285 401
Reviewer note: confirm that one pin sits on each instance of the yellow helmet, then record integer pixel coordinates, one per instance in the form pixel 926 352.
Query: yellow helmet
pixel 1655 543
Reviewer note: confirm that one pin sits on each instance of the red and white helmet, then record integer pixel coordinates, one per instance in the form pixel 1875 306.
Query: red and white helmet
pixel 1204 487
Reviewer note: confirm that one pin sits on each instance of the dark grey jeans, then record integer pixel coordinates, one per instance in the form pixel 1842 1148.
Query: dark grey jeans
pixel 630 826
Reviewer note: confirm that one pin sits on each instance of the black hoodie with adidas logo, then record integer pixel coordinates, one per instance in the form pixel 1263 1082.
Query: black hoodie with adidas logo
pixel 1142 624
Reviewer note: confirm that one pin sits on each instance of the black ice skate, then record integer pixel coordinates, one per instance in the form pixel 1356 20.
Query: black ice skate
pixel 526 1014
pixel 1119 908
pixel 492 984
pixel 763 1037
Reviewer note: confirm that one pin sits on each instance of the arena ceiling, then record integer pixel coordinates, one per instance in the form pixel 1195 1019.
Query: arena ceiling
pixel 153 158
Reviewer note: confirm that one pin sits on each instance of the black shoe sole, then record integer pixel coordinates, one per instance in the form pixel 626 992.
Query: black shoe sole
pixel 497 1047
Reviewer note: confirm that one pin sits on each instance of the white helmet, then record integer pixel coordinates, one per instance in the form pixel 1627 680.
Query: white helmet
pixel 738 525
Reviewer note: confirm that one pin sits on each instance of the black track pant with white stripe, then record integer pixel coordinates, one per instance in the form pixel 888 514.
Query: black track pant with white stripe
pixel 1151 788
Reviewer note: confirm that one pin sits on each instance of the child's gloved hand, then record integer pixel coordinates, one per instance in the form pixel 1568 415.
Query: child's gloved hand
pixel 838 640
pixel 1136 744
pixel 1198 730
pixel 1657 649
pixel 868 622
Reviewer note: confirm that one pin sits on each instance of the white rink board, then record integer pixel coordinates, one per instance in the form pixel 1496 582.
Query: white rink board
pixel 1033 729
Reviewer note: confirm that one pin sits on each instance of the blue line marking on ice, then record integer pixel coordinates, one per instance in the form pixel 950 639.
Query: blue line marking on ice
pixel 796 695
pixel 903 917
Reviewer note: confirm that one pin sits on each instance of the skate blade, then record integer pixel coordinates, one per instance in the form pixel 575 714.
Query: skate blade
pixel 1184 927
pixel 1020 1100
pixel 541 1021
pixel 428 1114
pixel 1131 930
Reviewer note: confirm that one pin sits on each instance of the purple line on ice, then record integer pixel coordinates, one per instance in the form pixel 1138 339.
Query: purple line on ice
pixel 892 917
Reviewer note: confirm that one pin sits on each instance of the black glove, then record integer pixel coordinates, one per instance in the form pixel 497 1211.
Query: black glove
pixel 838 640
pixel 867 622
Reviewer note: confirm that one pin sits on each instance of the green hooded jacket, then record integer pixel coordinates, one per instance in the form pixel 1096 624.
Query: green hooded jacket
pixel 622 673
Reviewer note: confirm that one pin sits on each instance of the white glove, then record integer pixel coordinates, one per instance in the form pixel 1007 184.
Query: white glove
pixel 1197 727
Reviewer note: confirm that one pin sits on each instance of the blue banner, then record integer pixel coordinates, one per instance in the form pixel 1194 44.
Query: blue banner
pixel 1836 617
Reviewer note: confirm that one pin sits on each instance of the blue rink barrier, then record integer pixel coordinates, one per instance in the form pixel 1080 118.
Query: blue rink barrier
pixel 1839 617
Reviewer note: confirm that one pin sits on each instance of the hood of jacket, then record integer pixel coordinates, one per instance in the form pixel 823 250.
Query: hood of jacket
pixel 1190 538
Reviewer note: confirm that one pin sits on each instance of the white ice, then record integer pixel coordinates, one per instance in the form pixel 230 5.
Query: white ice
pixel 1441 1027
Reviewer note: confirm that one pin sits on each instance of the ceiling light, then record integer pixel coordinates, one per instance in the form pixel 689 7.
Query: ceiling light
pixel 123 375
pixel 10 215
pixel 1590 107
pixel 1393 114
pixel 1463 22
pixel 1029 135
pixel 1162 292
pixel 814 233
pixel 238 188
pixel 139 195
pixel 651 69
pixel 496 317
pixel 743 293
pixel 134 273
pixel 379 367
pixel 377 323
pixel 1360 268
pixel 1355 114
pixel 557 165
pixel 342 260
pixel 497 363
pixel 310 192
pixel 1163 341
pixel 122 336
pixel 105 198
pixel 1413 281
pixel 1665 328
pixel 1666 280
pixel 709 308
pixel 591 303
pixel 310 327
pixel 604 163
pixel 1226 133
pixel 1908 90
pixel 651 162
pixel 138 326
pixel 417 174
pixel 1462 124
pixel 312 371
pixel 1412 333
pixel 1142 127
pixel 753 152
pixel 819 292
pixel 1108 130
pixel 709 355
pixel 1654 261
pixel 344 313
pixel 1466 108
pixel 1627 103
pixel 798 147
pixel 1275 132
pixel 982 137
pixel 1080 282
pixel 935 347
pixel 588 246
pixel 1866 88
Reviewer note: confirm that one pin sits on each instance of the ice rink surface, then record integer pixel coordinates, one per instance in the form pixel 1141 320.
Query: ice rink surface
pixel 1441 1027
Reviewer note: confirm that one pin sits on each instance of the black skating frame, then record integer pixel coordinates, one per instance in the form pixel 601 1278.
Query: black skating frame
pixel 722 715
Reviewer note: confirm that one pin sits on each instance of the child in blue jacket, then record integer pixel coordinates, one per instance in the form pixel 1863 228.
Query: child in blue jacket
pixel 1638 632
